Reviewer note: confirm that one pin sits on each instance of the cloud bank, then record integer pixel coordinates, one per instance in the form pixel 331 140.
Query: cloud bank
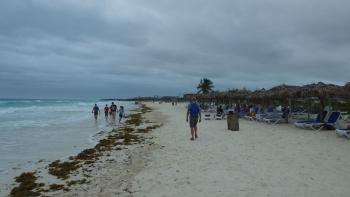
pixel 115 48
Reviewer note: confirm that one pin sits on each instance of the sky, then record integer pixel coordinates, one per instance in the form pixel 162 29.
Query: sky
pixel 127 48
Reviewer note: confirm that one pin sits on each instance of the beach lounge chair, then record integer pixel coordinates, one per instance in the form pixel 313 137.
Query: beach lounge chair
pixel 343 132
pixel 261 116
pixel 301 123
pixel 242 114
pixel 249 117
pixel 207 116
pixel 273 118
pixel 317 126
pixel 219 116
pixel 278 117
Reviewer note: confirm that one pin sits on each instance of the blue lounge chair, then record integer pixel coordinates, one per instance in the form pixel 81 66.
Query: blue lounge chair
pixel 317 126
pixel 301 123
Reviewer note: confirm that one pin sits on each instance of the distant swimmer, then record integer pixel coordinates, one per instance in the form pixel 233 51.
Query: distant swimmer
pixel 121 113
pixel 106 110
pixel 95 111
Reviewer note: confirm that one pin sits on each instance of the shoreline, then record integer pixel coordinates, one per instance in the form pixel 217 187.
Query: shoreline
pixel 258 160
pixel 75 174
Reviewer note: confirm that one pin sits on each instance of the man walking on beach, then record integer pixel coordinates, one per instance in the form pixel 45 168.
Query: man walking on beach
pixel 95 111
pixel 194 112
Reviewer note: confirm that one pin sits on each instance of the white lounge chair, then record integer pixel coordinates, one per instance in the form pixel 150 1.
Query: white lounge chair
pixel 207 116
pixel 219 116
pixel 343 132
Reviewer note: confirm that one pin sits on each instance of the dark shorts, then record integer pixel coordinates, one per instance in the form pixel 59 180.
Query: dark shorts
pixel 106 113
pixel 193 121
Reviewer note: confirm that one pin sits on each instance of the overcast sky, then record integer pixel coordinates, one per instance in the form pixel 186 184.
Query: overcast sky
pixel 122 48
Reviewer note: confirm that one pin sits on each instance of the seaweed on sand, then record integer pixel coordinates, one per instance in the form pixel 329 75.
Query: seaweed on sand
pixel 62 170
pixel 145 109
pixel 90 154
pixel 148 129
pixel 56 187
pixel 128 137
pixel 75 182
pixel 134 119
pixel 105 145
pixel 27 186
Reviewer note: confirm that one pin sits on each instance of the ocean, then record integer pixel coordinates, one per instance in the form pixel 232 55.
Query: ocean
pixel 33 130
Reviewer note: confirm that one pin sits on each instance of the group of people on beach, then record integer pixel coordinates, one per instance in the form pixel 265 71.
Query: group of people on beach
pixel 110 111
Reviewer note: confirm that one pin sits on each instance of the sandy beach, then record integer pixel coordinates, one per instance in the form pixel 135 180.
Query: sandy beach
pixel 95 96
pixel 258 160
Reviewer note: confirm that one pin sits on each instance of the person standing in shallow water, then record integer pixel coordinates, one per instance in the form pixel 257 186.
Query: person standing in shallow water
pixel 194 115
pixel 121 113
pixel 113 109
pixel 106 109
pixel 95 111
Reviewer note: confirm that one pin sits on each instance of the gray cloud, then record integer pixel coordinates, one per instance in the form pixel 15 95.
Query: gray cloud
pixel 105 48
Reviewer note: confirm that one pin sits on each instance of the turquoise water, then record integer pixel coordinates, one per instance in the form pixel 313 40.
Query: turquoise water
pixel 33 130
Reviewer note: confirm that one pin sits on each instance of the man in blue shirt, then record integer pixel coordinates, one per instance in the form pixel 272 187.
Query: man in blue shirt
pixel 193 112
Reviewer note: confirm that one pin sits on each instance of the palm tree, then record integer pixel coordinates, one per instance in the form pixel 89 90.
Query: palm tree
pixel 205 86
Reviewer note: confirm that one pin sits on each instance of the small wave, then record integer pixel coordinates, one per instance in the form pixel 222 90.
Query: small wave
pixel 3 171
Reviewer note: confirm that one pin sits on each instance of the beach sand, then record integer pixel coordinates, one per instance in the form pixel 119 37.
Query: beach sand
pixel 259 160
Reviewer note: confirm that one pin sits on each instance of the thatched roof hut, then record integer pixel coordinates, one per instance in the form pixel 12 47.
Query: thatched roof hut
pixel 320 91
pixel 323 91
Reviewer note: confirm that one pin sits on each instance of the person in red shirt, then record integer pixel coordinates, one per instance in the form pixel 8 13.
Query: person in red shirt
pixel 106 110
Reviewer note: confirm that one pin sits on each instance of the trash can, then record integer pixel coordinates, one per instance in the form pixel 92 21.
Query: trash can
pixel 232 121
